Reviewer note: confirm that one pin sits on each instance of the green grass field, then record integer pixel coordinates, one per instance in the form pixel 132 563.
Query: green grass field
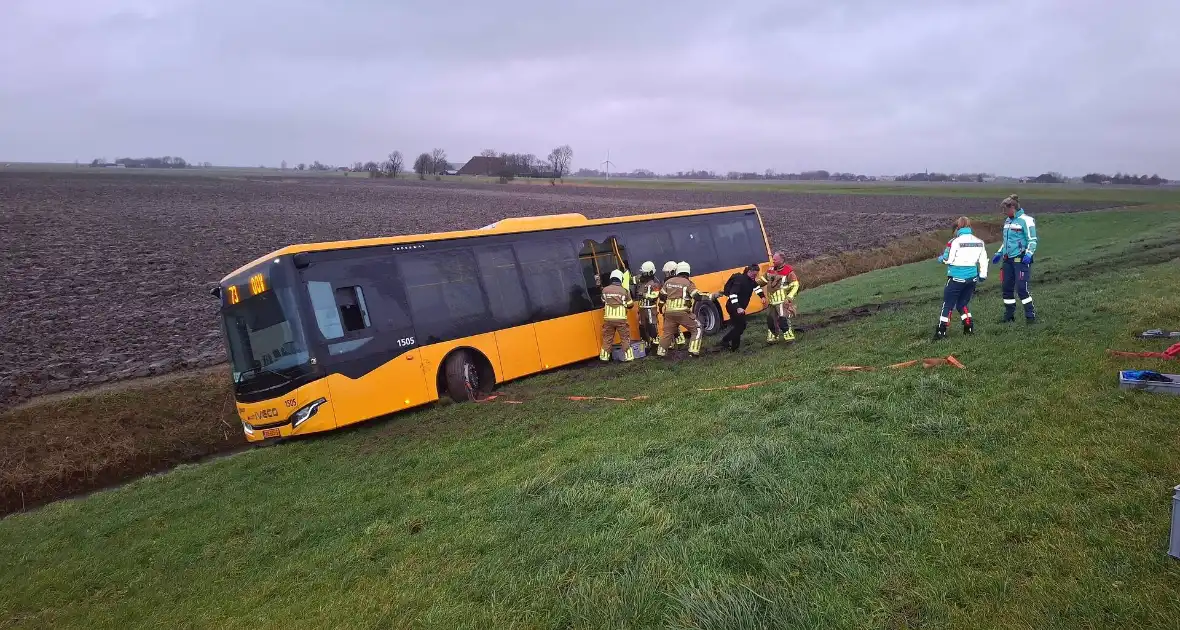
pixel 1130 194
pixel 1027 491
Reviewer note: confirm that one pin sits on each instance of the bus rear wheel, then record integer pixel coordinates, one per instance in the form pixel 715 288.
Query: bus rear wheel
pixel 709 318
pixel 465 377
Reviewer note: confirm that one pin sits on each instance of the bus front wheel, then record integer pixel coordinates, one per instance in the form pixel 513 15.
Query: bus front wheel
pixel 465 377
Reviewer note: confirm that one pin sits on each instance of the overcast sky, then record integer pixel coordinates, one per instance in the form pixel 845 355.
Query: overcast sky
pixel 1014 87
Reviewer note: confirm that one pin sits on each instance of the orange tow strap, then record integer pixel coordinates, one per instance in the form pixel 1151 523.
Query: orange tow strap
pixel 1146 355
pixel 926 363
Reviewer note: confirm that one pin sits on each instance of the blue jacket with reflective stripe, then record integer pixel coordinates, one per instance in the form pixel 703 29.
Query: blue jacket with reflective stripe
pixel 965 256
pixel 1020 235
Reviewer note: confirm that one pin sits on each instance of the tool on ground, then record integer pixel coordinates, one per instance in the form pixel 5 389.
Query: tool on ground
pixel 1174 535
pixel 1156 333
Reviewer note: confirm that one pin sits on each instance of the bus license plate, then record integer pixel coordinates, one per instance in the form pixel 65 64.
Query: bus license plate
pixel 271 433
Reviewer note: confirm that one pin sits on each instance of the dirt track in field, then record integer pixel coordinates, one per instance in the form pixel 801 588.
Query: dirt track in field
pixel 106 277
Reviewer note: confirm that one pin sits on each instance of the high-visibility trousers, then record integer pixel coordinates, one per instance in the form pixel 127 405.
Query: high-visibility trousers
pixel 673 320
pixel 609 328
pixel 649 327
pixel 1015 282
pixel 778 323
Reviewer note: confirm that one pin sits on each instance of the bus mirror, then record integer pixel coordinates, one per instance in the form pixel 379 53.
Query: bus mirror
pixel 215 291
pixel 300 260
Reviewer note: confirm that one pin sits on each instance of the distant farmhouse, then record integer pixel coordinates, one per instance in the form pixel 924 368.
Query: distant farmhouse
pixel 485 166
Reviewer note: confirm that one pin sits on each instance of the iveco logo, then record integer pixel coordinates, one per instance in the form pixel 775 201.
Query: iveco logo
pixel 263 414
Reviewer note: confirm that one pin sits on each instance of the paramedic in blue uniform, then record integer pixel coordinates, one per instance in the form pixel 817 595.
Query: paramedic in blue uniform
pixel 966 259
pixel 1016 252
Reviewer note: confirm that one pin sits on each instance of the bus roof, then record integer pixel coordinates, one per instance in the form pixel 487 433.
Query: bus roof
pixel 503 226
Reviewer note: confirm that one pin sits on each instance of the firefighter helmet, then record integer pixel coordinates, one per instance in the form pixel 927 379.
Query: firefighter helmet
pixel 669 267
pixel 617 274
pixel 682 267
pixel 648 267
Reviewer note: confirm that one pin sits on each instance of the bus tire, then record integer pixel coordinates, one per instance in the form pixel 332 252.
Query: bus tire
pixel 709 318
pixel 466 377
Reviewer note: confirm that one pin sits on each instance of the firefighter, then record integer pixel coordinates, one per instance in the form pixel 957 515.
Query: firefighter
pixel 669 270
pixel 647 293
pixel 780 284
pixel 1016 252
pixel 740 287
pixel 677 297
pixel 966 259
pixel 616 301
pixel 669 273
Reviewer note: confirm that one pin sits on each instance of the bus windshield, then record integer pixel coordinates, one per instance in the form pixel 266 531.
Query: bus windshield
pixel 264 334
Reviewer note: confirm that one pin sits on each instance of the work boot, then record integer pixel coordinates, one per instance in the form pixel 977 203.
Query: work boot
pixel 661 352
pixel 771 337
pixel 968 327
pixel 1030 320
pixel 603 355
pixel 789 336
pixel 940 331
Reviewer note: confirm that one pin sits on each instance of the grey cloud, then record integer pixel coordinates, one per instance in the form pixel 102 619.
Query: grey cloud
pixel 1012 87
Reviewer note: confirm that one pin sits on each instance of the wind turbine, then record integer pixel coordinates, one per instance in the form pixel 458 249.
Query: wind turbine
pixel 607 163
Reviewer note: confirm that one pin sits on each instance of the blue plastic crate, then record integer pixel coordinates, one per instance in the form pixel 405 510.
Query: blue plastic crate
pixel 1158 387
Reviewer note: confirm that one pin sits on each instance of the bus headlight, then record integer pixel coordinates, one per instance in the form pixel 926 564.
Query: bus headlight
pixel 305 412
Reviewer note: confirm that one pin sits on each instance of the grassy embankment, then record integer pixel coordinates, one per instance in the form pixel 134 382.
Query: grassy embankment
pixel 1025 491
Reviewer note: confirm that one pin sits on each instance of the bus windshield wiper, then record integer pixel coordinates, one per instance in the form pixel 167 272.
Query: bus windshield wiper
pixel 261 370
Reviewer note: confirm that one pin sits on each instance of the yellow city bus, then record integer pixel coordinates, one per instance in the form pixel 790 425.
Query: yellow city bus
pixel 325 335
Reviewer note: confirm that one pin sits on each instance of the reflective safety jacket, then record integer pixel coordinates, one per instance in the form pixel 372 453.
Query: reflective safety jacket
pixel 616 300
pixel 648 293
pixel 678 293
pixel 1020 235
pixel 776 282
pixel 965 256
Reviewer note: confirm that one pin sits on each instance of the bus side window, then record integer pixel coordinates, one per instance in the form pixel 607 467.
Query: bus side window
pixel 735 247
pixel 501 281
pixel 693 243
pixel 353 312
pixel 327 314
pixel 553 278
pixel 445 295
pixel 757 238
pixel 648 244
pixel 597 261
